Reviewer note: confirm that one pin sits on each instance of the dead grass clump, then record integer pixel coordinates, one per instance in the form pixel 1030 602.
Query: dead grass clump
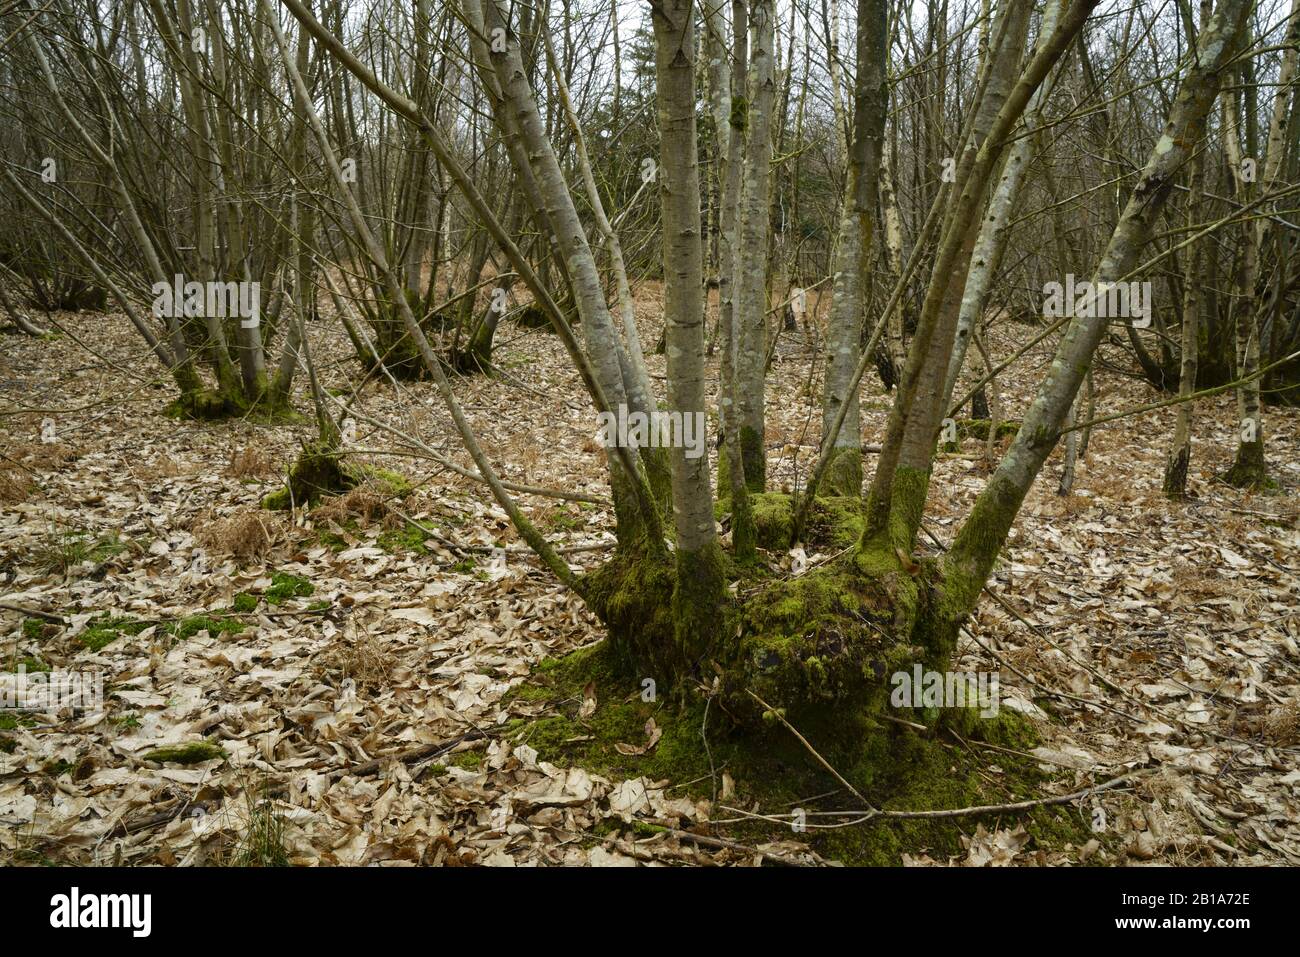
pixel 249 463
pixel 365 503
pixel 246 534
pixel 22 462
pixel 1192 581
pixel 363 660
pixel 17 484
pixel 1279 726
pixel 166 467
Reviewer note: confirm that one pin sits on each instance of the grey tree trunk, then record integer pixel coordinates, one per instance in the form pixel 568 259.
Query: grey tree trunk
pixel 992 241
pixel 751 253
pixel 968 563
pixel 854 252
pixel 700 584
pixel 1250 469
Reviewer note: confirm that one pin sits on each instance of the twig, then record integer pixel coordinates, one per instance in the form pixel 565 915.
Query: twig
pixel 33 613
pixel 804 741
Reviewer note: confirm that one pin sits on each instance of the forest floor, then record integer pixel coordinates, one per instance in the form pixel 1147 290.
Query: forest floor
pixel 1137 635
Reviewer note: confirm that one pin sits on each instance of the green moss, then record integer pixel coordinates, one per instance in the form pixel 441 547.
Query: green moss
pixel 824 640
pixel 189 627
pixel 632 595
pixel 207 405
pixel 391 483
pixel 469 760
pixel 277 500
pixel 106 629
pixel 285 587
pixel 192 752
pixel 409 538
pixel 754 456
pixel 844 472
pixel 244 603
pixel 893 767
pixel 332 540
pixel 320 470
pixel 11 721
pixel 563 520
pixel 834 523
pixel 532 316
pixel 1006 729
pixel 739 118
pixel 33 629
pixel 979 428
pixel 697 602
pixel 28 664
pixel 57 768
pixel 1250 470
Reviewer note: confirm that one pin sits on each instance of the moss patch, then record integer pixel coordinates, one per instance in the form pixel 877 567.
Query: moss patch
pixel 244 603
pixel 192 752
pixel 893 767
pixel 189 627
pixel 835 521
pixel 410 538
pixel 285 587
pixel 106 629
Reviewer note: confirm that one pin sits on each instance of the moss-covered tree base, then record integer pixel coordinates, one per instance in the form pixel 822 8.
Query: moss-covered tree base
pixel 1249 470
pixel 814 644
pixel 844 472
pixel 893 766
pixel 1175 486
pixel 320 470
pixel 208 405
pixel 533 316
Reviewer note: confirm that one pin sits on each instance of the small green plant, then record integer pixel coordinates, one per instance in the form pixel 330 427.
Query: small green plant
pixel 263 843
pixel 57 768
pixel 409 538
pixel 469 760
pixel 64 549
pixel 127 722
pixel 9 721
pixel 565 521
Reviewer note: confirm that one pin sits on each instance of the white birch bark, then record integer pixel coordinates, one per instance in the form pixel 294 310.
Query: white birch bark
pixel 973 553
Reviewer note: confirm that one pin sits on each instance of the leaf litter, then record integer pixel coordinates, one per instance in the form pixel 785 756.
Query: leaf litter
pixel 361 723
